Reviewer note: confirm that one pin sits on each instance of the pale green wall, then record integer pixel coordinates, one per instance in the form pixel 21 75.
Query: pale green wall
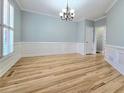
pixel 115 24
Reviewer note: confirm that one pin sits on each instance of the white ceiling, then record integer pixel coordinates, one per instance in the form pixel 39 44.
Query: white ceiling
pixel 84 9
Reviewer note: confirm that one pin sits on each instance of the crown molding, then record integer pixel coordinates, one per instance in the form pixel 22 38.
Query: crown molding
pixel 100 18
pixel 35 12
pixel 111 6
pixel 48 15
pixel 19 4
pixel 52 16
pixel 39 13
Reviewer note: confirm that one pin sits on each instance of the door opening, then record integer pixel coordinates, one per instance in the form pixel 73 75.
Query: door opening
pixel 100 33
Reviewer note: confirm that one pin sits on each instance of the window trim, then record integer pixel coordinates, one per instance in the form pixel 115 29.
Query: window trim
pixel 1 38
pixel 1 28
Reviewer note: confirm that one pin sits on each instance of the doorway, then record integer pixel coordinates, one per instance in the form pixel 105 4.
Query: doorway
pixel 100 33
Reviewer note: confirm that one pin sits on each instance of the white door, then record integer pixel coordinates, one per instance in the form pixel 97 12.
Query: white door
pixel 89 40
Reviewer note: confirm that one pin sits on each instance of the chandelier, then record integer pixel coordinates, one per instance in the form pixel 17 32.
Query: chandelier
pixel 67 14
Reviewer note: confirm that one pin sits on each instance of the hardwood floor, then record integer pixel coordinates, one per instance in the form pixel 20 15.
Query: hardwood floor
pixel 69 73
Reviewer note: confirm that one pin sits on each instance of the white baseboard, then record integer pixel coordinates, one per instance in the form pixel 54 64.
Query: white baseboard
pixel 7 62
pixel 114 55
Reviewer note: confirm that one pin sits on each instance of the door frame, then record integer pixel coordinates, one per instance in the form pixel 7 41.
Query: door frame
pixel 95 42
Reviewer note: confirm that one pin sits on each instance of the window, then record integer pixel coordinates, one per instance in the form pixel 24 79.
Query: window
pixel 0 43
pixel 0 28
pixel 7 41
pixel 7 28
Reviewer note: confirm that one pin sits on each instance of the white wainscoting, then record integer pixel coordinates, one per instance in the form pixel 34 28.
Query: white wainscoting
pixel 29 49
pixel 80 48
pixel 7 62
pixel 49 48
pixel 115 56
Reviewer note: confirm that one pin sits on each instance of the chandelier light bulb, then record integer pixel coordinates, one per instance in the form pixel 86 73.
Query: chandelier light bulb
pixel 72 11
pixel 61 14
pixel 64 10
pixel 73 14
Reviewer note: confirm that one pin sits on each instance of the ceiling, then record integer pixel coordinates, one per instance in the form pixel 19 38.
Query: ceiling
pixel 84 9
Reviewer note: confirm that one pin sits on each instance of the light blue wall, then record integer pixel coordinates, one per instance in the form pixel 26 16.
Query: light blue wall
pixel 17 23
pixel 115 24
pixel 81 32
pixel 40 28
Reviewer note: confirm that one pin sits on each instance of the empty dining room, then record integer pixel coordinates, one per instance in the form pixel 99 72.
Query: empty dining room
pixel 61 46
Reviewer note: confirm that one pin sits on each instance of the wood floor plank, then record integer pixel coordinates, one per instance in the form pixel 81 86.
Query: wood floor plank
pixel 68 73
